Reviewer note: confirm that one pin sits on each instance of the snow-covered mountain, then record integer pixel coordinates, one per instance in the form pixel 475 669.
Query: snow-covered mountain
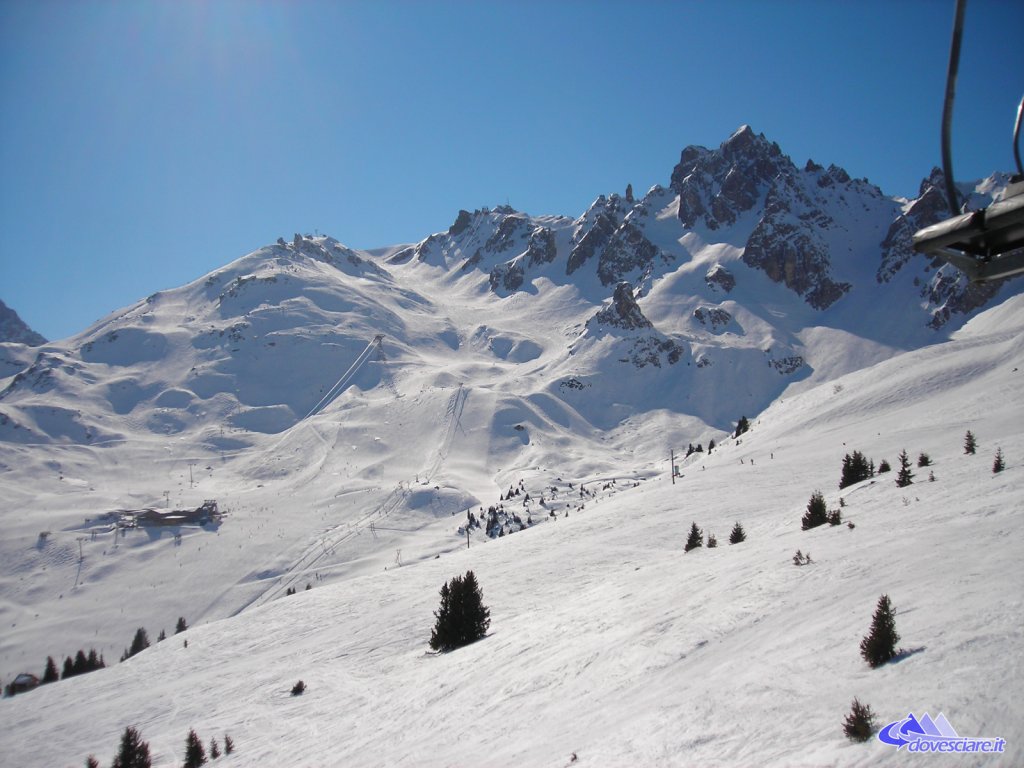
pixel 347 408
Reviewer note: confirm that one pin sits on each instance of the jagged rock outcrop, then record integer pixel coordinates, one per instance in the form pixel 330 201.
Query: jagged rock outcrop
pixel 787 253
pixel 747 173
pixel 784 221
pixel 461 223
pixel 14 329
pixel 929 207
pixel 712 317
pixel 717 186
pixel 721 278
pixel 510 231
pixel 593 231
pixel 628 251
pixel 541 247
pixel 508 276
pixel 623 312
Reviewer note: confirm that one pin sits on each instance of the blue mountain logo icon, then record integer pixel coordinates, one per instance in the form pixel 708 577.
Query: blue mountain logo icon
pixel 925 734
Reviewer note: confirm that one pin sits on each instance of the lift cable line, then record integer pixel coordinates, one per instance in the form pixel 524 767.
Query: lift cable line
pixel 341 383
pixel 987 244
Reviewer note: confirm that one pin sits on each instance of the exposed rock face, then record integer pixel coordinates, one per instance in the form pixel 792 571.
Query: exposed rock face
pixel 788 254
pixel 781 220
pixel 461 223
pixel 929 208
pixel 950 292
pixel 720 277
pixel 623 312
pixel 508 233
pixel 627 251
pixel 508 276
pixel 717 187
pixel 593 231
pixel 13 328
pixel 747 173
pixel 712 317
pixel 786 365
pixel 541 248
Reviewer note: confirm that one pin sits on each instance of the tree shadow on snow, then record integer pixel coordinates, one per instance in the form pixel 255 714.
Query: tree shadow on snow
pixel 906 653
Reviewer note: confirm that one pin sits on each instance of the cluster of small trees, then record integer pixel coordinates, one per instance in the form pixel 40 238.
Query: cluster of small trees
pixel 195 754
pixel 81 664
pixel 695 538
pixel 134 752
pixel 856 467
pixel 699 448
pixel 141 640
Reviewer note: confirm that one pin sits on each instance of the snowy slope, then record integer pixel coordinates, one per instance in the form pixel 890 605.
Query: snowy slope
pixel 347 409
pixel 608 642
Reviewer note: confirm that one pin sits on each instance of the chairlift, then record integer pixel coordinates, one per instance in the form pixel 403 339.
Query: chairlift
pixel 987 244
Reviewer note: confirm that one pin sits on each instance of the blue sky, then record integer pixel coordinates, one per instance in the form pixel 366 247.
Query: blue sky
pixel 144 144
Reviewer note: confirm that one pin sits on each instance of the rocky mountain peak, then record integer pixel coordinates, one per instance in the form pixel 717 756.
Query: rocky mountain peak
pixel 14 329
pixel 715 187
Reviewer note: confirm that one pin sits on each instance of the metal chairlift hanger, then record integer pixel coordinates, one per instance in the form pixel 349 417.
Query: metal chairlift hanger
pixel 987 244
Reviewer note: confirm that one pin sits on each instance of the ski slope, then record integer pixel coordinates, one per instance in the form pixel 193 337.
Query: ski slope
pixel 608 645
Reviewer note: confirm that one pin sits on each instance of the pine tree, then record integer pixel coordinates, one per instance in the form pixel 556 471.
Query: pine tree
pixel 462 618
pixel 92 762
pixel 884 467
pixel 229 745
pixel 879 646
pixel 737 535
pixel 50 675
pixel 139 643
pixel 195 755
pixel 859 723
pixel 181 626
pixel 712 541
pixel 856 467
pixel 742 426
pixel 999 464
pixel 904 477
pixel 695 539
pixel 134 752
pixel 817 512
pixel 970 444
pixel 214 749
pixel 69 668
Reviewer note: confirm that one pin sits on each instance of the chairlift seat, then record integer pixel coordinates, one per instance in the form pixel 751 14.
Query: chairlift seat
pixel 986 244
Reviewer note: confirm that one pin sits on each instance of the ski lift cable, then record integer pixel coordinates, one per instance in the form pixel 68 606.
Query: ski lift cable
pixel 947 106
pixel 1016 141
